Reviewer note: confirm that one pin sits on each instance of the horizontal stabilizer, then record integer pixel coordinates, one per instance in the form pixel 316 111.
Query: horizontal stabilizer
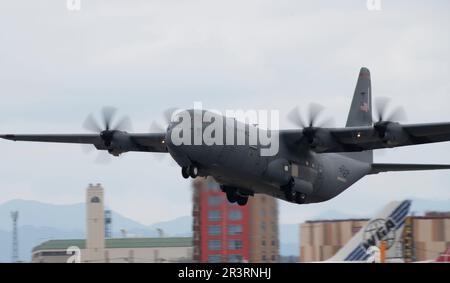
pixel 390 167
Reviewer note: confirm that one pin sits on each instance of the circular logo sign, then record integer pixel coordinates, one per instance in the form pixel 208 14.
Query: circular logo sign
pixel 379 230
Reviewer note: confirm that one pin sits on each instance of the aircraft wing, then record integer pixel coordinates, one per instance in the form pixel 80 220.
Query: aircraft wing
pixel 387 135
pixel 68 138
pixel 121 141
pixel 368 138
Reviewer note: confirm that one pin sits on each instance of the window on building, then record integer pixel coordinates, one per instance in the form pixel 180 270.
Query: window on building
pixel 235 258
pixel 234 229
pixel 234 244
pixel 214 245
pixel 262 212
pixel 214 230
pixel 263 258
pixel 235 215
pixel 95 199
pixel 214 258
pixel 274 243
pixel 213 215
pixel 215 200
pixel 263 243
pixel 263 226
pixel 274 257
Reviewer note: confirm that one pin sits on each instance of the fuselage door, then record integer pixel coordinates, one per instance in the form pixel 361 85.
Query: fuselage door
pixel 294 170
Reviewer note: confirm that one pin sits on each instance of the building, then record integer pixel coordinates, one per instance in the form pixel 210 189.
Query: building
pixel 96 249
pixel 95 224
pixel 321 239
pixel 225 232
pixel 132 250
pixel 424 237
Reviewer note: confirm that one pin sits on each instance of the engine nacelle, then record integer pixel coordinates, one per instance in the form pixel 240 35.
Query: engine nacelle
pixel 394 135
pixel 116 143
pixel 322 141
pixel 121 143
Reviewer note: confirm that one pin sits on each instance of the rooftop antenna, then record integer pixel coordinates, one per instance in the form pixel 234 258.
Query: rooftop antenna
pixel 15 242
pixel 160 232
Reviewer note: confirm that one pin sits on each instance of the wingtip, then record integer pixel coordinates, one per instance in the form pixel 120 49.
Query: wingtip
pixel 8 137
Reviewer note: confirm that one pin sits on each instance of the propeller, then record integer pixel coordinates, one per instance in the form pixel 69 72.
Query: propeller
pixel 313 122
pixel 168 114
pixel 156 127
pixel 383 117
pixel 108 115
pixel 106 129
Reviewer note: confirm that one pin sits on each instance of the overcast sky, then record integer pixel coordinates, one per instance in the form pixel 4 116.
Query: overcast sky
pixel 57 66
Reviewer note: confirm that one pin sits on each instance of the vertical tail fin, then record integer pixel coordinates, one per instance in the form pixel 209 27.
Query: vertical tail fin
pixel 360 113
pixel 386 226
pixel 361 108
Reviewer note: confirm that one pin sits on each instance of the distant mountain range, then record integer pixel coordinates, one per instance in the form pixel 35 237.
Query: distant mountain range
pixel 64 217
pixel 39 222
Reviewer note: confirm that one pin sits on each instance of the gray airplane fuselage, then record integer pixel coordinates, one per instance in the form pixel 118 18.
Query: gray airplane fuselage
pixel 242 167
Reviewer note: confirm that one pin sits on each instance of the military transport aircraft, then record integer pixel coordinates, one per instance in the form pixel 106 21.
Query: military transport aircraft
pixel 313 163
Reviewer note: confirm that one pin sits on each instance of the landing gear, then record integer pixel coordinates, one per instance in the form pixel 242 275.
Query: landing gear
pixel 231 197
pixel 193 171
pixel 242 200
pixel 234 197
pixel 184 172
pixel 189 171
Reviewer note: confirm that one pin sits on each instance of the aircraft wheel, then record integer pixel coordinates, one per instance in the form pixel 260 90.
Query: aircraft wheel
pixel 184 172
pixel 242 201
pixel 193 171
pixel 231 197
pixel 300 198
